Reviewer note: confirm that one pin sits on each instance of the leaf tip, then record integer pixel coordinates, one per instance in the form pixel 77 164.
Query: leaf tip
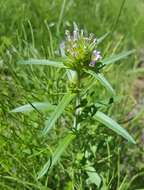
pixel 132 141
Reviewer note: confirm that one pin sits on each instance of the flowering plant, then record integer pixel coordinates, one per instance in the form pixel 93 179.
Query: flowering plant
pixel 80 60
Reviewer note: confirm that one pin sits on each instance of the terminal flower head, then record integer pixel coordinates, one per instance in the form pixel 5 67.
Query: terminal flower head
pixel 80 49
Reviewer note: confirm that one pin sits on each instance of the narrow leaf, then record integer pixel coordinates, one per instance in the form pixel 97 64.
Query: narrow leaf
pixel 113 125
pixel 102 38
pixel 43 62
pixel 33 106
pixel 102 80
pixel 56 155
pixel 58 111
pixel 114 58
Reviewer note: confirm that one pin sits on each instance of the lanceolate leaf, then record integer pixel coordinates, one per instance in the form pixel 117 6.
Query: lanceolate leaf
pixel 56 155
pixel 110 123
pixel 58 111
pixel 43 62
pixel 102 80
pixel 33 106
pixel 114 58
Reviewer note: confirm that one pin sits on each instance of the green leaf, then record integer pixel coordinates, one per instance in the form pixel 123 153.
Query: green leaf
pixel 113 125
pixel 43 62
pixel 114 58
pixel 58 111
pixel 94 178
pixel 24 183
pixel 33 106
pixel 102 38
pixel 56 155
pixel 102 80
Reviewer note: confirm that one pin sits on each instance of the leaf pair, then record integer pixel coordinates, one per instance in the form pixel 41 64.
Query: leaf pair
pixel 57 110
pixel 99 77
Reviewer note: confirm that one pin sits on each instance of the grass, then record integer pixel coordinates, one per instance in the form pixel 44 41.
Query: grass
pixel 34 29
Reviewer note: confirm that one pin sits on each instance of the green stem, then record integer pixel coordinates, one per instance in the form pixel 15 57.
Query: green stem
pixel 77 111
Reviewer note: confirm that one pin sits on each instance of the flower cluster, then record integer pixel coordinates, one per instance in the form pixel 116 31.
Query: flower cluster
pixel 80 50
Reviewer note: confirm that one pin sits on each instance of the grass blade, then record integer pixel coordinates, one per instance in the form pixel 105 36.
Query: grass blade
pixel 33 106
pixel 61 16
pixel 26 184
pixel 58 111
pixel 57 154
pixel 113 125
pixel 43 62
pixel 137 71
pixel 102 80
pixel 114 58
pixel 102 38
